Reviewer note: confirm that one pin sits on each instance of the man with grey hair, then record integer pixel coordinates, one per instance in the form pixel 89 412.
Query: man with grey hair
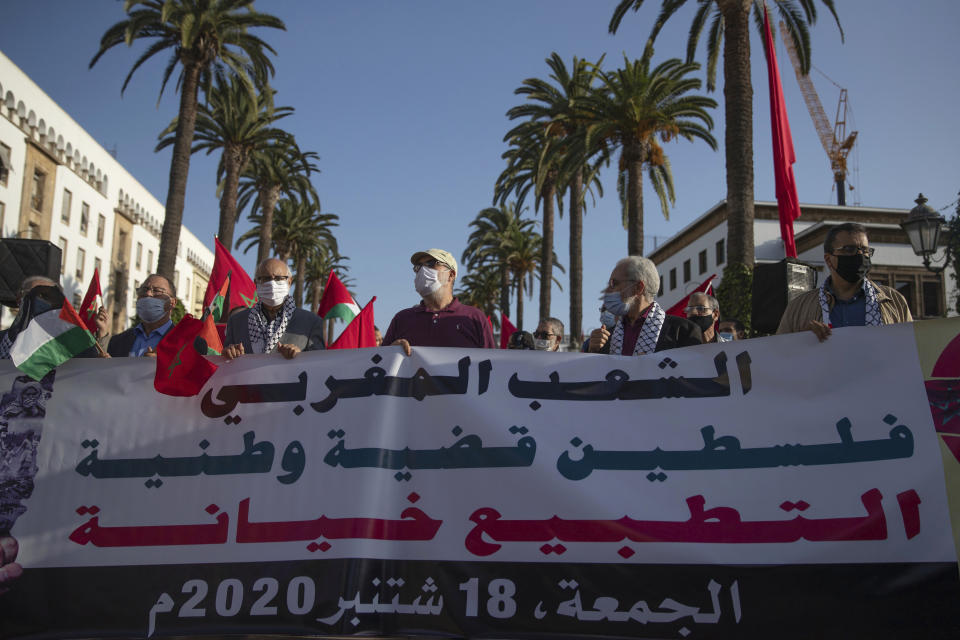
pixel 704 310
pixel 549 335
pixel 636 323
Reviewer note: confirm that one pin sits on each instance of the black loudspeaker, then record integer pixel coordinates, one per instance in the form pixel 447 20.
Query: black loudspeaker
pixel 774 285
pixel 20 258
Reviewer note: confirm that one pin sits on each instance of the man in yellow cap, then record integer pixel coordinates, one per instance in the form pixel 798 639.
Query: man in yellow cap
pixel 440 320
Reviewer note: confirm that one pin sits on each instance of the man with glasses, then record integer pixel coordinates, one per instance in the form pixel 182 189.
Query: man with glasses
pixel 274 324
pixel 549 335
pixel 440 320
pixel 156 299
pixel 704 310
pixel 847 298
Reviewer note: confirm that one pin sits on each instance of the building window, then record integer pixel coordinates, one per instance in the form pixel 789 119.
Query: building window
pixel 139 254
pixel 96 265
pixel 84 218
pixel 63 254
pixel 81 261
pixel 150 260
pixel 686 271
pixel 122 247
pixel 702 259
pixel 673 279
pixel 931 298
pixel 36 192
pixel 721 253
pixel 660 291
pixel 101 228
pixel 65 209
pixel 4 164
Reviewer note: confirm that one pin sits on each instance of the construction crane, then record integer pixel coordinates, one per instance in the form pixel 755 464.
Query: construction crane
pixel 834 139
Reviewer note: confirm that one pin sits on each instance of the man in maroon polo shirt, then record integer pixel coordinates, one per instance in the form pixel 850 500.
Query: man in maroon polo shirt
pixel 440 320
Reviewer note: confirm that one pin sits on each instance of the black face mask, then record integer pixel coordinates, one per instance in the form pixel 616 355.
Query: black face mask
pixel 704 322
pixel 853 268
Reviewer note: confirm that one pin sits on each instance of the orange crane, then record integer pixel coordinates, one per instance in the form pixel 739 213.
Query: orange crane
pixel 834 139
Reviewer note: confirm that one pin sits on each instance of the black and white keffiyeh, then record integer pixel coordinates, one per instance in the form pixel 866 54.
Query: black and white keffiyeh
pixel 264 335
pixel 649 333
pixel 873 318
pixel 5 344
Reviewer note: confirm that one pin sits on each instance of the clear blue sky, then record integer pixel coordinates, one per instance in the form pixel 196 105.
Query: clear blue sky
pixel 405 102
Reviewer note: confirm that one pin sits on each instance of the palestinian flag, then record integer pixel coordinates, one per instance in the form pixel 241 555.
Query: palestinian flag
pixel 181 369
pixel 216 309
pixel 359 333
pixel 92 302
pixel 50 338
pixel 242 291
pixel 337 301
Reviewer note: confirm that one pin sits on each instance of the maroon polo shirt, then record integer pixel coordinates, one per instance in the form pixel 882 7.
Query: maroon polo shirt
pixel 456 325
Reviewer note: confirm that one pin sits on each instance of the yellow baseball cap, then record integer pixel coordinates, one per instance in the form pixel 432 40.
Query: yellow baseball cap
pixel 438 254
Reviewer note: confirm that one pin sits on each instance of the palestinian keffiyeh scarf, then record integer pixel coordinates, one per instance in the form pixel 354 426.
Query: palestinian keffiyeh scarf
pixel 264 335
pixel 873 318
pixel 649 333
pixel 5 344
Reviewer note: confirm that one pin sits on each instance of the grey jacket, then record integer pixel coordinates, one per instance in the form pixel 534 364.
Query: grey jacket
pixel 305 330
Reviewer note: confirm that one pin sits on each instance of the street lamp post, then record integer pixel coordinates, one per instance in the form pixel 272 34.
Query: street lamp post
pixel 923 226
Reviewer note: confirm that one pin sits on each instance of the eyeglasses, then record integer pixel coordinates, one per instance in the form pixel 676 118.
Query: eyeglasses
pixel 152 291
pixel 616 284
pixel 265 279
pixel 852 250
pixel 699 310
pixel 431 263
pixel 543 335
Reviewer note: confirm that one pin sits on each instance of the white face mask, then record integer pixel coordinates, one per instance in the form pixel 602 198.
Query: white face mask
pixel 427 282
pixel 151 310
pixel 272 292
pixel 541 345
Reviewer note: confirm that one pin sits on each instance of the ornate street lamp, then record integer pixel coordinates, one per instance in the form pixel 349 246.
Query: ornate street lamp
pixel 923 226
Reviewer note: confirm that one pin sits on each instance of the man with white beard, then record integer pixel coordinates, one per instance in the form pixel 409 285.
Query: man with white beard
pixel 440 320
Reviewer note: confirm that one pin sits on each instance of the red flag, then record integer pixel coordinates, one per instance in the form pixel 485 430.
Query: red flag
pixel 359 333
pixel 242 292
pixel 92 302
pixel 705 287
pixel 783 155
pixel 181 370
pixel 506 330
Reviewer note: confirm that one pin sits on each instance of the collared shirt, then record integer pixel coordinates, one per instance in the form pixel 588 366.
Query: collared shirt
pixel 142 340
pixel 456 325
pixel 631 331
pixel 848 313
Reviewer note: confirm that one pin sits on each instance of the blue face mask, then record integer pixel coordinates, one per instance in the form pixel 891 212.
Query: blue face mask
pixel 614 303
pixel 607 319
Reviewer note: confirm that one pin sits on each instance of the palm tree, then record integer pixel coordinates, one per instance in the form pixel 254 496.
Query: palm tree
pixel 729 28
pixel 489 244
pixel 481 288
pixel 524 262
pixel 636 107
pixel 275 171
pixel 203 36
pixel 238 123
pixel 318 267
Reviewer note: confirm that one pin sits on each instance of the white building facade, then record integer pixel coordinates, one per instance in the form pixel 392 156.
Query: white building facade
pixel 699 250
pixel 58 184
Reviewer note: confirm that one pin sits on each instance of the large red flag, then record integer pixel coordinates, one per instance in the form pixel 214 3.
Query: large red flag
pixel 242 292
pixel 506 330
pixel 92 302
pixel 705 287
pixel 783 155
pixel 181 370
pixel 359 333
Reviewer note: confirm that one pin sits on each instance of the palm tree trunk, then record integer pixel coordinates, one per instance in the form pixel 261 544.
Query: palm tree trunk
pixel 268 200
pixel 298 287
pixel 504 290
pixel 575 206
pixel 738 137
pixel 179 168
pixel 329 330
pixel 546 251
pixel 233 165
pixel 519 322
pixel 315 301
pixel 634 165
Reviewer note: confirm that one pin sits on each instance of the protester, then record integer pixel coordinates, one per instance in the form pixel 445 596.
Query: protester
pixel 549 335
pixel 704 311
pixel 156 299
pixel 9 569
pixel 377 336
pixel 521 340
pixel 274 323
pixel 642 326
pixel 731 329
pixel 847 298
pixel 440 320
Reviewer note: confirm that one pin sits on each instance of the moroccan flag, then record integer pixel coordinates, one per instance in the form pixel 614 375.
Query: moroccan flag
pixel 50 337
pixel 337 301
pixel 705 287
pixel 506 330
pixel 216 308
pixel 242 291
pixel 181 370
pixel 783 155
pixel 359 333
pixel 92 302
